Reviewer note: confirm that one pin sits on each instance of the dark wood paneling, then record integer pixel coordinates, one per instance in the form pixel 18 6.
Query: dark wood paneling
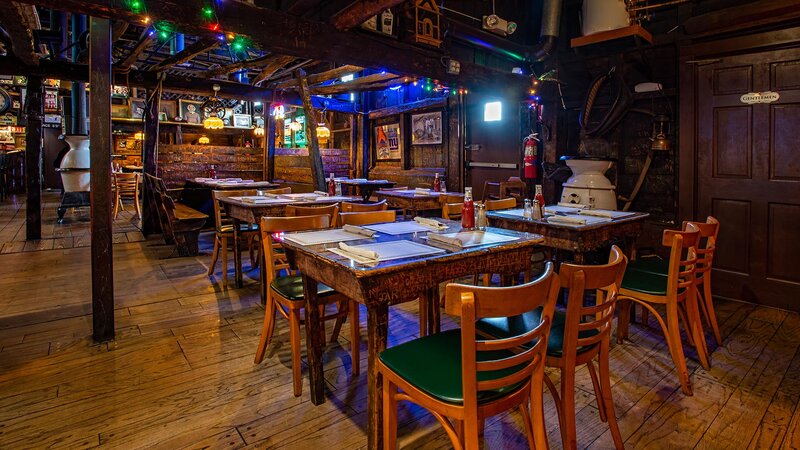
pixel 784 245
pixel 785 75
pixel 733 80
pixel 785 146
pixel 178 162
pixel 732 142
pixel 733 249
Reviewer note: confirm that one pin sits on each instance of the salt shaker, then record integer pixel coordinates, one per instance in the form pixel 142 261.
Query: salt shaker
pixel 537 210
pixel 527 212
pixel 480 222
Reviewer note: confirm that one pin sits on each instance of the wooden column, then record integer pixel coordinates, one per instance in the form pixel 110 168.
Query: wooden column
pixel 269 142
pixel 33 159
pixel 363 147
pixel 317 172
pixel 101 145
pixel 150 222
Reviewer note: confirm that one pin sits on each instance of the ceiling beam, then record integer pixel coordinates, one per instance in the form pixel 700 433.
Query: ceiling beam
pixel 118 29
pixel 321 77
pixel 144 41
pixel 239 65
pixel 273 66
pixel 308 39
pixel 358 12
pixel 199 46
pixel 15 24
pixel 374 82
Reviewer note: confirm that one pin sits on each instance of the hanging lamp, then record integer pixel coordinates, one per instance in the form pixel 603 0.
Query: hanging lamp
pixel 214 111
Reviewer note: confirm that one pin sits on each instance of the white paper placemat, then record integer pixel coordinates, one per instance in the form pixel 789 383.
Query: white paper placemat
pixel 398 227
pixel 258 200
pixel 605 213
pixel 476 238
pixel 513 212
pixel 552 209
pixel 392 250
pixel 323 237
pixel 590 220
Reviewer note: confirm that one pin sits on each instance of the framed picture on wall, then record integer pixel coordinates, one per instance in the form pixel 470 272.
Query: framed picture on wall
pixel 190 111
pixel 168 107
pixel 242 120
pixel 138 107
pixel 426 128
pixel 388 142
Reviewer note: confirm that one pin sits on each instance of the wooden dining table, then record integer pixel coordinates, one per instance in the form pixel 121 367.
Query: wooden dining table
pixel 411 200
pixel 577 239
pixel 388 283
pixel 246 212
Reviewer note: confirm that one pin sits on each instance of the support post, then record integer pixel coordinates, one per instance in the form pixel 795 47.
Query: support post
pixel 317 172
pixel 271 130
pixel 33 159
pixel 150 222
pixel 363 148
pixel 101 144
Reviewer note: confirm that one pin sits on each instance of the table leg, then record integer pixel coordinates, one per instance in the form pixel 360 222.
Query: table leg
pixel 377 330
pixel 237 252
pixel 580 258
pixel 424 309
pixel 432 299
pixel 315 340
pixel 366 193
pixel 262 273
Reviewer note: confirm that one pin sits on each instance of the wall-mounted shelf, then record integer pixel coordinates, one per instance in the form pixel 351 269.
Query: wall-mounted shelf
pixel 632 32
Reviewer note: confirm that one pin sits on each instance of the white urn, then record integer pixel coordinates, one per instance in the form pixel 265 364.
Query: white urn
pixel 74 166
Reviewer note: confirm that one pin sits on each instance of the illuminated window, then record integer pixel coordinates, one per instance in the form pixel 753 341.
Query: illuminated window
pixel 347 78
pixel 492 112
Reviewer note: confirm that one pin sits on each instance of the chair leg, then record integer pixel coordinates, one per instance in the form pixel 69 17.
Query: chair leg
pixel 687 326
pixel 537 411
pixel 116 205
pixel 598 393
pixel 696 329
pixel 224 247
pixel 423 315
pixel 569 438
pixel 138 207
pixel 623 319
pixel 676 347
pixel 214 256
pixel 266 329
pixel 708 301
pixel 294 336
pixel 608 400
pixel 389 415
pixel 355 337
pixel 526 422
pixel 342 310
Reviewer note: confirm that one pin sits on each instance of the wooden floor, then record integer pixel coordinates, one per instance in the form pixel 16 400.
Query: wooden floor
pixel 181 373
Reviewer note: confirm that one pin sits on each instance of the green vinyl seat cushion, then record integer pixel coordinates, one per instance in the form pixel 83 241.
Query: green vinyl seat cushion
pixel 650 265
pixel 505 327
pixel 645 282
pixel 433 364
pixel 291 287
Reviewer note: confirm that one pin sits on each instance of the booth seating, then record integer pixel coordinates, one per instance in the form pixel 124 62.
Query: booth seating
pixel 179 223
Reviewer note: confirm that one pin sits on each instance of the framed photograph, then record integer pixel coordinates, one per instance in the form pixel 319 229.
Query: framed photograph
pixel 20 80
pixel 162 117
pixel 191 111
pixel 242 120
pixel 120 91
pixel 50 100
pixel 388 142
pixel 123 111
pixel 426 128
pixel 52 118
pixel 138 107
pixel 168 107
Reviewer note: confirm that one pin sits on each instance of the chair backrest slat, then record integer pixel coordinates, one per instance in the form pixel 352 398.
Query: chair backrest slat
pixel 505 203
pixel 367 218
pixel 270 225
pixel 709 231
pixel 220 216
pixel 364 207
pixel 331 211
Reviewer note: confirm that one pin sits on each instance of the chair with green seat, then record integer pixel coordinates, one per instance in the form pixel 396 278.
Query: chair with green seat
pixel 462 379
pixel 677 292
pixel 709 230
pixel 285 293
pixel 575 340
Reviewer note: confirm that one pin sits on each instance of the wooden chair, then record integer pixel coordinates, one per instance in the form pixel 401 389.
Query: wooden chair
pixel 332 211
pixel 677 292
pixel 366 218
pixel 515 188
pixel 364 207
pixel 474 378
pixel 506 203
pixel 223 233
pixel 126 186
pixel 451 206
pixel 278 191
pixel 285 294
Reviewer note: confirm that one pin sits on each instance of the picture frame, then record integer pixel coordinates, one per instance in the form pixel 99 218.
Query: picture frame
pixel 138 108
pixel 191 111
pixel 426 128
pixel 50 100
pixel 242 121
pixel 170 108
pixel 388 141
pixel 162 117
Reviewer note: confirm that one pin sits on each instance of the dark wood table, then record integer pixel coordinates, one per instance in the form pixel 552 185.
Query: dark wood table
pixel 366 187
pixel 196 193
pixel 580 239
pixel 241 211
pixel 390 283
pixel 411 201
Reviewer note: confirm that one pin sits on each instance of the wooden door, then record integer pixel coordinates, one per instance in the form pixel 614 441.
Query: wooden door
pixel 748 174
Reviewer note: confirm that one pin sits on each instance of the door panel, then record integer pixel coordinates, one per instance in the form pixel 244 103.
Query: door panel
pixel 748 174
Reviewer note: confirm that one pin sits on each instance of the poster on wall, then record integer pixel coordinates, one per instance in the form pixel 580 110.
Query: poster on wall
pixel 50 101
pixel 387 142
pixel 426 129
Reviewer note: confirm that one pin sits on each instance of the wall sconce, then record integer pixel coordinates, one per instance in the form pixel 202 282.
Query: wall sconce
pixel 258 131
pixel 323 133
pixel 204 140
pixel 138 136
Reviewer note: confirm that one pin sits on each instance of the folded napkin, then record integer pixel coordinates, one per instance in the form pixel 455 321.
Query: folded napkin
pixel 358 230
pixel 597 213
pixel 422 191
pixel 380 181
pixel 433 223
pixel 572 205
pixel 455 242
pixel 566 220
pixel 360 252
pixel 324 194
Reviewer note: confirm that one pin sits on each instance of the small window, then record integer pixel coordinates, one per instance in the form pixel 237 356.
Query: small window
pixel 493 111
pixel 348 77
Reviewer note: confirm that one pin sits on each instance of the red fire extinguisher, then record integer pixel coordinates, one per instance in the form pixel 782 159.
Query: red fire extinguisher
pixel 530 162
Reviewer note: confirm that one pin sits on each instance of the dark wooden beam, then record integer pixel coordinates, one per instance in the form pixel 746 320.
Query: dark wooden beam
pixel 144 41
pixel 199 46
pixel 308 39
pixel 358 12
pixel 150 222
pixel 273 66
pixel 749 15
pixel 374 82
pixel 239 65
pixel 300 7
pixel 33 158
pixel 317 172
pixel 440 102
pixel 322 76
pixel 271 129
pixel 16 25
pixel 118 29
pixel 100 78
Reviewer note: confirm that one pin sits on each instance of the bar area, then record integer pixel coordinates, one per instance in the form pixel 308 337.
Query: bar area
pixel 399 224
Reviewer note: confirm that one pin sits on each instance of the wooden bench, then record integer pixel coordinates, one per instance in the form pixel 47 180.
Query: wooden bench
pixel 180 224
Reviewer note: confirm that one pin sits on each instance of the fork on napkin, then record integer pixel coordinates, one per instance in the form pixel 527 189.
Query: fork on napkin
pixel 566 220
pixel 359 253
pixel 431 223
pixel 358 230
pixel 455 242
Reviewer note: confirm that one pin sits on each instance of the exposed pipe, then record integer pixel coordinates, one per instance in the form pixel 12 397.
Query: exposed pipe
pixel 551 24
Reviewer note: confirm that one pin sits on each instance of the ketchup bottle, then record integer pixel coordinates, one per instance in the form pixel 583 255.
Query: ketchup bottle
pixel 468 210
pixel 437 184
pixel 212 173
pixel 331 187
pixel 539 198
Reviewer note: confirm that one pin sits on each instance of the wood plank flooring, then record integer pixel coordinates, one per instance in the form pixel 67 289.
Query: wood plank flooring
pixel 181 372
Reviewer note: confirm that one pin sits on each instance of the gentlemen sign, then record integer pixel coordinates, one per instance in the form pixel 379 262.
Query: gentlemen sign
pixel 760 97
